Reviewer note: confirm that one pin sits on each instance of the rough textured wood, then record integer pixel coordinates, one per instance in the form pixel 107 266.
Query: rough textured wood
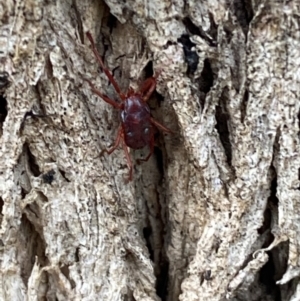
pixel 213 215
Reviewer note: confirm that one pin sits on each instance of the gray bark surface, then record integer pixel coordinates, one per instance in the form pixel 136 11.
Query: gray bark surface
pixel 213 215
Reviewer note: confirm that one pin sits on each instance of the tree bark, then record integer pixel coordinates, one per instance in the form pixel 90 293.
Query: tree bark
pixel 213 215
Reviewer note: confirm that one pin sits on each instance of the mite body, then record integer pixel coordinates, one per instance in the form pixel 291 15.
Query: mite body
pixel 136 123
pixel 137 126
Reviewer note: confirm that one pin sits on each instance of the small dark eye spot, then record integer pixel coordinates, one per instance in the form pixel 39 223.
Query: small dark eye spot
pixel 130 134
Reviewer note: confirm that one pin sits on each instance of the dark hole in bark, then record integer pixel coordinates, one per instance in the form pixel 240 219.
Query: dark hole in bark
pixel 116 72
pixel 191 27
pixel 271 205
pixel 273 198
pixel 169 43
pixel 192 60
pixel 66 272
pixel 244 105
pixel 207 275
pixel 213 31
pixel 291 287
pixel 159 97
pixel 186 42
pixel 207 79
pixel 3 112
pixel 48 177
pixel 77 251
pixel 43 197
pixel 63 173
pixel 222 118
pixel 209 36
pixel 276 266
pixel 3 108
pixel 23 193
pixel 243 11
pixel 34 116
pixel 264 287
pixel 1 204
pixel 34 245
pixel 228 34
pixel 266 223
pixel 112 22
pixel 148 70
pixel 147 232
pixel 162 280
pixel 266 277
pixel 32 161
pixel 32 209
pixel 191 57
pixel 4 81
pixel 129 296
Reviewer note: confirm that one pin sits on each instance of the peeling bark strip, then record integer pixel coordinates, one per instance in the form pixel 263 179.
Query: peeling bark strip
pixel 213 215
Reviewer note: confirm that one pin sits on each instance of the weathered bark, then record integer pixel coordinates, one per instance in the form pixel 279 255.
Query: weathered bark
pixel 214 213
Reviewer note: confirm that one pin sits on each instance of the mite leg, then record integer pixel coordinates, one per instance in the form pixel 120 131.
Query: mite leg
pixel 105 70
pixel 151 145
pixel 130 92
pixel 149 86
pixel 116 144
pixel 160 126
pixel 105 98
pixel 129 162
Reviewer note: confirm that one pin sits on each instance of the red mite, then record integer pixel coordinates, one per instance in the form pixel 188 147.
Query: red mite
pixel 137 126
